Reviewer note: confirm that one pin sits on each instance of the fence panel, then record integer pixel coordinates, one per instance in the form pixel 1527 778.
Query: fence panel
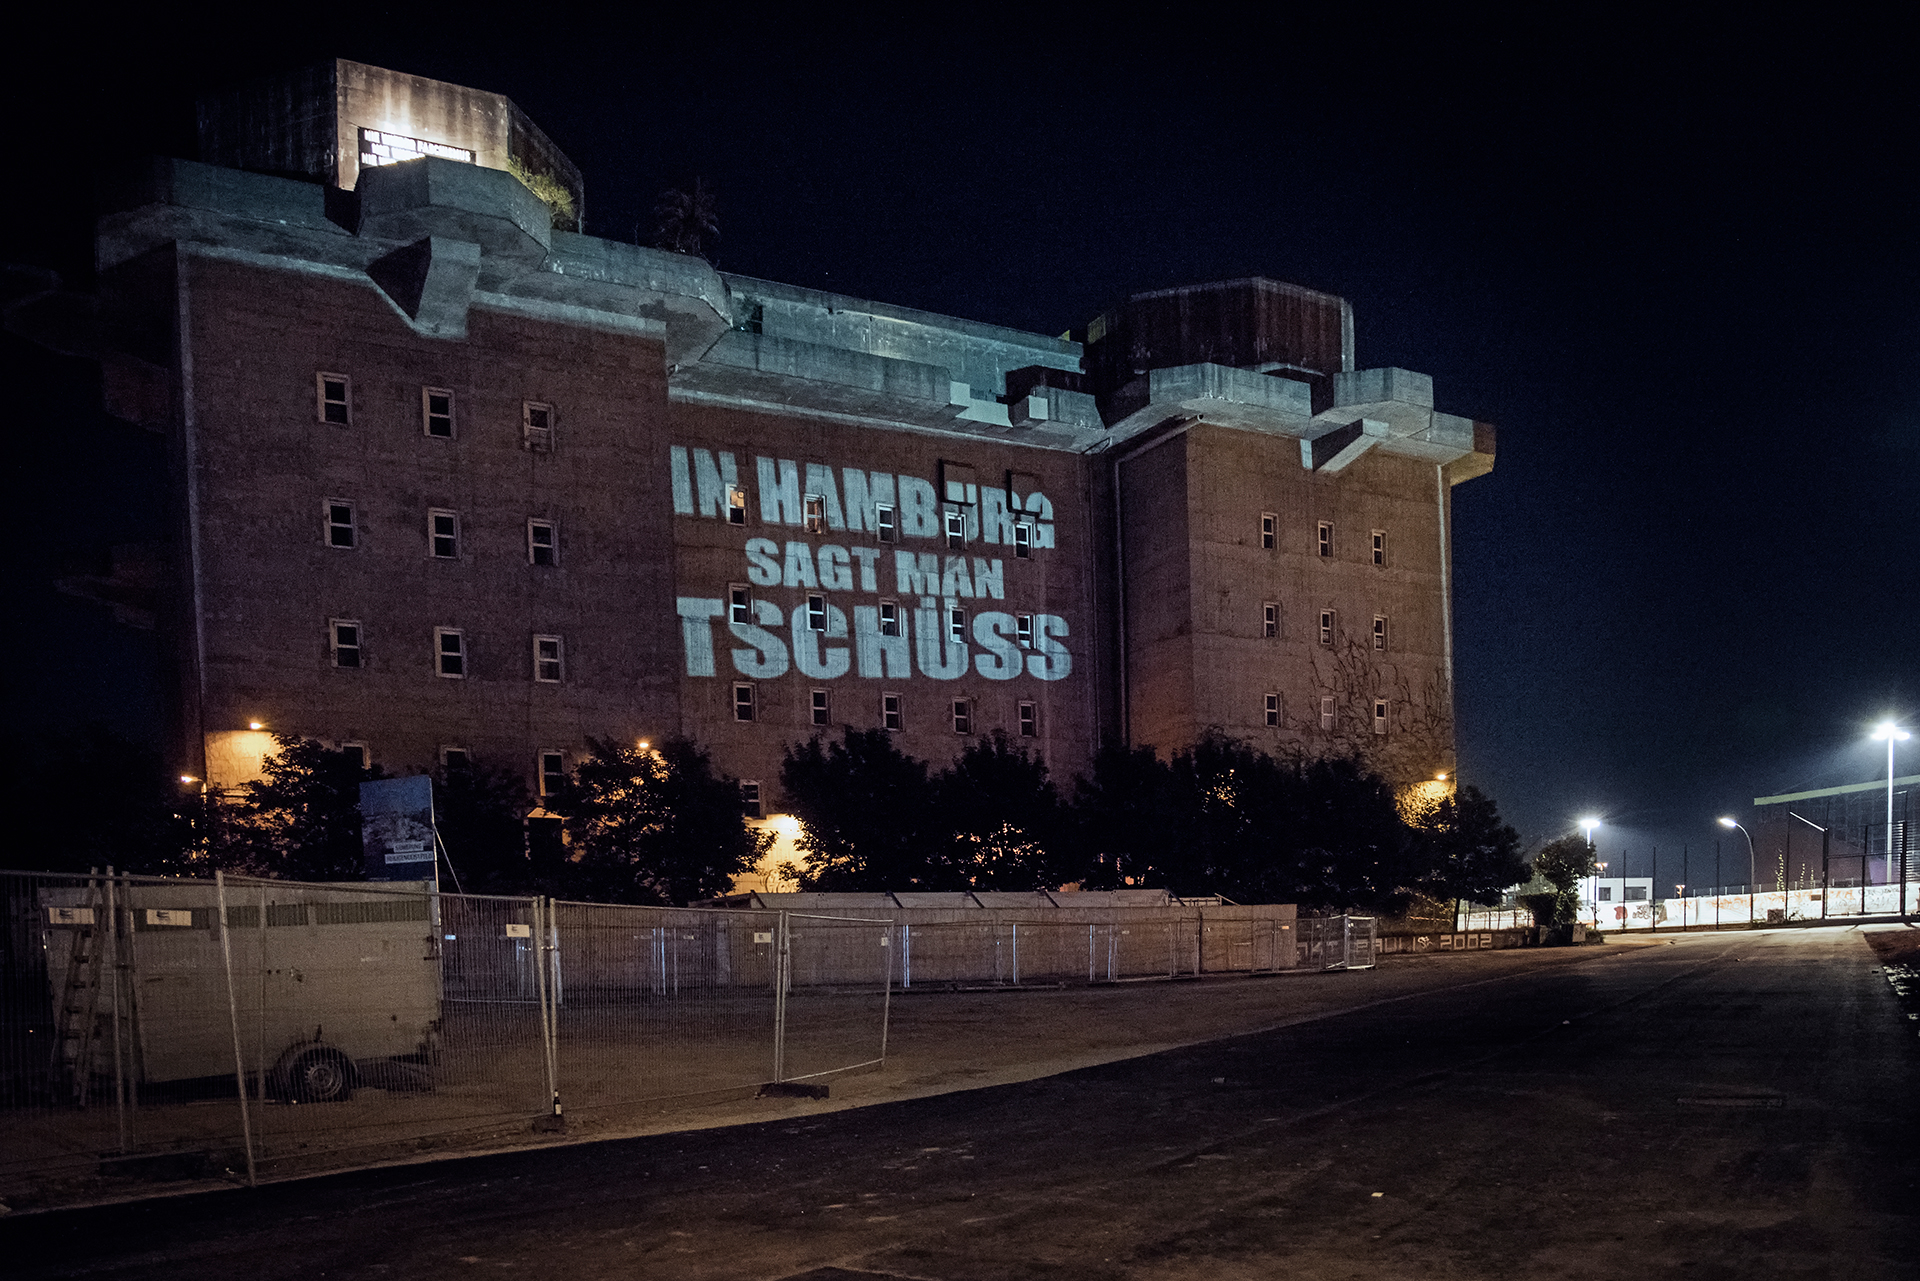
pixel 653 1004
pixel 377 1017
pixel 171 1028
pixel 837 1004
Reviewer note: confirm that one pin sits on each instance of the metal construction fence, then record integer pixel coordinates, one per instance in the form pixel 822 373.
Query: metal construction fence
pixel 165 1028
pixel 1339 942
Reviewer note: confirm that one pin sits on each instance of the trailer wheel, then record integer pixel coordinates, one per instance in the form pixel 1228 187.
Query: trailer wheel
pixel 320 1076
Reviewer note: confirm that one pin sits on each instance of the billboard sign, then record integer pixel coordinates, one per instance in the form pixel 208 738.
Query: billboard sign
pixel 396 827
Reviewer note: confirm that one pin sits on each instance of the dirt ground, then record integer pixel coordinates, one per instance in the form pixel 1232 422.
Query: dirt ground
pixel 937 1042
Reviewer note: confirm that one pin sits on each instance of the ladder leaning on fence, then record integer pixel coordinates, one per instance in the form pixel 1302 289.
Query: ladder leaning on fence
pixel 77 1015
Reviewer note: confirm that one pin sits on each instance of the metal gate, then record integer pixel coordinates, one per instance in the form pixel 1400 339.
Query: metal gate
pixel 1343 942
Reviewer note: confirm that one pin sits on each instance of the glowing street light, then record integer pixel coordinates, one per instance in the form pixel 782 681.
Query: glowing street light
pixel 1729 823
pixel 1892 734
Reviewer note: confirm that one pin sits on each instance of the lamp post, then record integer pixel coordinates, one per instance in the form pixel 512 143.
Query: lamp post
pixel 1593 884
pixel 1892 734
pixel 1826 853
pixel 1729 823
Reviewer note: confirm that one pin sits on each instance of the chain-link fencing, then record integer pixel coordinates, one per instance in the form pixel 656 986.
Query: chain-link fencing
pixel 1338 942
pixel 167 1029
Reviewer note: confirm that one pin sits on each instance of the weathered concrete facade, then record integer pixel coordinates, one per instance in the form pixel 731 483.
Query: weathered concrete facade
pixel 555 487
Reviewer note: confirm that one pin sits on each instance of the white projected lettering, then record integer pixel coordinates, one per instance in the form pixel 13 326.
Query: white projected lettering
pixel 939 615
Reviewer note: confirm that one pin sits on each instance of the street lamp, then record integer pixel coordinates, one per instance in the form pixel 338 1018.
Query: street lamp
pixel 1729 823
pixel 1892 734
pixel 1593 882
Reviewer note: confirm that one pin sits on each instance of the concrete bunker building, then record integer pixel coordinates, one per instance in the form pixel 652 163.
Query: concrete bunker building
pixel 450 475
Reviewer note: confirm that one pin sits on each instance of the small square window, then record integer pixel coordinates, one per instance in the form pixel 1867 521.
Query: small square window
pixel 739 604
pixel 450 650
pixel 436 412
pixel 345 642
pixel 743 702
pixel 1324 540
pixel 883 526
pixel 736 506
pixel 1029 720
pixel 1327 628
pixel 1379 546
pixel 543 543
pixel 1270 620
pixel 816 612
pixel 443 534
pixel 1326 711
pixel 963 716
pixel 1273 710
pixel 360 752
pixel 1379 715
pixel 822 708
pixel 335 404
pixel 1023 541
pixel 889 618
pixel 1606 893
pixel 891 714
pixel 553 772
pixel 1379 631
pixel 956 529
pixel 455 758
pixel 816 514
pixel 750 799
pixel 1269 530
pixel 548 663
pixel 536 426
pixel 1023 630
pixel 341 531
pixel 957 625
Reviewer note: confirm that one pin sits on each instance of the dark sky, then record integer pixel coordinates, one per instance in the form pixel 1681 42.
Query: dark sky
pixel 1676 266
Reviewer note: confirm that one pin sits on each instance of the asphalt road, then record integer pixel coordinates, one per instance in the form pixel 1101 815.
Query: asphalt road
pixel 1737 1106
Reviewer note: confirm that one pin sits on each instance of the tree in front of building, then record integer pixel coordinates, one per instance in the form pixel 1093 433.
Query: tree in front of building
pixel 1122 819
pixel 94 798
pixel 1468 852
pixel 300 821
pixel 478 813
pixel 655 825
pixel 1561 864
pixel 1002 815
pixel 867 818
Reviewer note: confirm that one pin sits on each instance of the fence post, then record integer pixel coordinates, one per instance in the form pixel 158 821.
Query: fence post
pixel 114 973
pixel 781 963
pixel 233 1018
pixel 542 916
pixel 886 1002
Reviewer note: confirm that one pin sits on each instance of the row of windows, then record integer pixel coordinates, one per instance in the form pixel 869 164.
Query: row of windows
pixel 1329 630
pixel 333 394
pixel 341 528
pixel 886 526
pixel 740 610
pixel 893 714
pixel 1381 709
pixel 347 644
pixel 1323 541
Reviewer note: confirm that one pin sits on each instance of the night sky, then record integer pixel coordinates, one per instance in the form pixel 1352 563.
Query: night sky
pixel 1676 266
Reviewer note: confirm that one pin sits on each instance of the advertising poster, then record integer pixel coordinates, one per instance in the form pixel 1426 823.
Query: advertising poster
pixel 396 828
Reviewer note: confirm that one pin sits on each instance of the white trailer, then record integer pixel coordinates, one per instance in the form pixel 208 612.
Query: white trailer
pixel 323 987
